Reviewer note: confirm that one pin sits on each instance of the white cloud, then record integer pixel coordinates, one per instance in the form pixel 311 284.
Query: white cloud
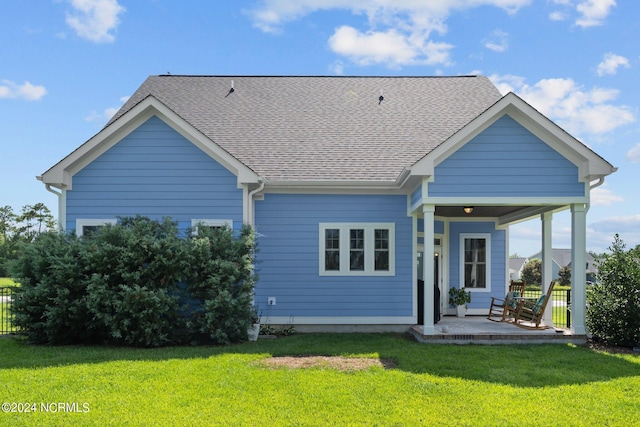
pixel 390 47
pixel 602 196
pixel 574 108
pixel 557 16
pixel 107 113
pixel 633 155
pixel 497 41
pixel 610 64
pixel 628 227
pixel 95 20
pixel 398 32
pixel 593 12
pixel 26 90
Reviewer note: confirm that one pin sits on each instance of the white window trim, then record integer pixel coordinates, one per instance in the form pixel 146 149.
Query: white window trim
pixel 81 223
pixel 208 222
pixel 369 269
pixel 487 237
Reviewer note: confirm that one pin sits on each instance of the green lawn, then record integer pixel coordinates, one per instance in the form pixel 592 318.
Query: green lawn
pixel 538 385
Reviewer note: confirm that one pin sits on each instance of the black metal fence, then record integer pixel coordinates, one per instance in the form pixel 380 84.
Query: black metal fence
pixel 6 296
pixel 561 300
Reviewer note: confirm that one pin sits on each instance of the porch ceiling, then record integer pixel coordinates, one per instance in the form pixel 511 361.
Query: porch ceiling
pixel 478 211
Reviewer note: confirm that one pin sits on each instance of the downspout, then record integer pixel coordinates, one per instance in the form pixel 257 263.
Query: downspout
pixel 251 201
pixel 597 184
pixel 60 207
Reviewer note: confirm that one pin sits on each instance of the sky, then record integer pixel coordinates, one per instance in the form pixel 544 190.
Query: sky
pixel 66 66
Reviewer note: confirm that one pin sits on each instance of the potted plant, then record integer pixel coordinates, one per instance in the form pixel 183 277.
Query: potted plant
pixel 254 329
pixel 459 298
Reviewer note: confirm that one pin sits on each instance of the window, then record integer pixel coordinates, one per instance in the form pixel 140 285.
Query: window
pixel 358 249
pixel 85 227
pixel 475 265
pixel 210 223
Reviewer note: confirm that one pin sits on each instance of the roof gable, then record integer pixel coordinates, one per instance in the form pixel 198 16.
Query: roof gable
pixel 590 165
pixel 61 174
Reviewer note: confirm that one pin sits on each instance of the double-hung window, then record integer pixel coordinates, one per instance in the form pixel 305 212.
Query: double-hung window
pixel 475 265
pixel 84 227
pixel 210 223
pixel 357 249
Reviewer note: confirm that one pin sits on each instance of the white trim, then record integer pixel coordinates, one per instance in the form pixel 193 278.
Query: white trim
pixel 369 250
pixel 207 222
pixel 338 320
pixel 88 222
pixel 487 237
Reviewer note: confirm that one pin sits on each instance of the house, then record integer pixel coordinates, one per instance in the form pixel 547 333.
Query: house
pixel 562 258
pixel 516 264
pixel 359 188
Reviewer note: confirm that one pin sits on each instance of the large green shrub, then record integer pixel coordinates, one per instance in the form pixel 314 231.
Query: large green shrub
pixel 136 283
pixel 134 270
pixel 221 280
pixel 613 303
pixel 51 303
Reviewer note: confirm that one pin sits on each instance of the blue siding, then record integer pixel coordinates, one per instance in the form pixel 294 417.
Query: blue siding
pixel 287 261
pixel 506 160
pixel 416 196
pixel 498 260
pixel 154 172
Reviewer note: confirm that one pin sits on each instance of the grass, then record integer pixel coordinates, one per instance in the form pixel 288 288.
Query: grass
pixel 431 384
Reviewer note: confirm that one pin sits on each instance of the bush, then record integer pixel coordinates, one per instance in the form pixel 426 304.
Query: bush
pixel 221 281
pixel 613 303
pixel 135 267
pixel 125 285
pixel 51 303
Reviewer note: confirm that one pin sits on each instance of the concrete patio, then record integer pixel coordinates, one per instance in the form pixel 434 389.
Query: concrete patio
pixel 480 330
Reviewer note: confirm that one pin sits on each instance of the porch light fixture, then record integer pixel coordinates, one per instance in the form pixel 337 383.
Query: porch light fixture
pixel 468 209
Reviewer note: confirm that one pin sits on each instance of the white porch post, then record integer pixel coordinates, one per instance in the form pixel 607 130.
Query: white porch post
pixel 578 269
pixel 547 263
pixel 428 268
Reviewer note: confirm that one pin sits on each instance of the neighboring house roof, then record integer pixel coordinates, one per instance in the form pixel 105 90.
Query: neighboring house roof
pixel 562 257
pixel 516 263
pixel 323 128
pixel 364 131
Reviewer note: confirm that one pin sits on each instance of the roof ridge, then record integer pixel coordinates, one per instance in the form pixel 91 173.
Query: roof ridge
pixel 317 76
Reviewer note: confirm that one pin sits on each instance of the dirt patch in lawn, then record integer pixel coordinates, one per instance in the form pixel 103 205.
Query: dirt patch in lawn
pixel 334 362
pixel 613 349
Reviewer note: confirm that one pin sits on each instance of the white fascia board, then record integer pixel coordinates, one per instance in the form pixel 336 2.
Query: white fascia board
pixel 333 187
pixel 505 201
pixel 61 174
pixel 591 166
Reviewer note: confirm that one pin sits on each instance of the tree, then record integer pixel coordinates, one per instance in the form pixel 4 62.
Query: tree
pixel 613 303
pixel 7 223
pixel 564 276
pixel 34 220
pixel 532 272
pixel 15 229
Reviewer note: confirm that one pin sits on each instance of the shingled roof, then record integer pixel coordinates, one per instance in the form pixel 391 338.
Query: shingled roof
pixel 323 128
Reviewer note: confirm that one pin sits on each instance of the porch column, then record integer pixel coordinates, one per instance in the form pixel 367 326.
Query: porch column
pixel 429 234
pixel 547 263
pixel 578 267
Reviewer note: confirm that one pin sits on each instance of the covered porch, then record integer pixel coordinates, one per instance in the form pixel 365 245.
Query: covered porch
pixel 502 216
pixel 480 330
